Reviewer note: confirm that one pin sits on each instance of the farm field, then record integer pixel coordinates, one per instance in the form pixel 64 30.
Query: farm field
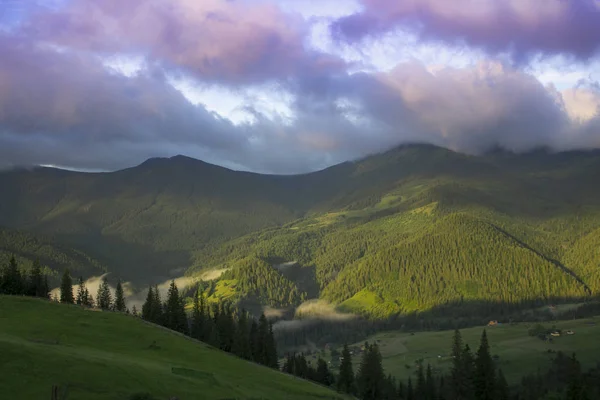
pixel 519 353
pixel 103 355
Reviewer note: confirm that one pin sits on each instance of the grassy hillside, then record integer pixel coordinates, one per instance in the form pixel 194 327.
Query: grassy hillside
pixel 519 353
pixel 99 355
pixel 408 230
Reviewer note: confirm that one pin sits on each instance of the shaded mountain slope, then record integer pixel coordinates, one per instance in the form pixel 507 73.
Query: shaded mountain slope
pixel 536 214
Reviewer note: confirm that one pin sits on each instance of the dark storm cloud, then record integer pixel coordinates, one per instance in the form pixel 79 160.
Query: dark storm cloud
pixel 521 27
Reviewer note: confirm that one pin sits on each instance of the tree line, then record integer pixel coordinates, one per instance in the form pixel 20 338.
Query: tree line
pixel 14 282
pixel 472 376
pixel 218 324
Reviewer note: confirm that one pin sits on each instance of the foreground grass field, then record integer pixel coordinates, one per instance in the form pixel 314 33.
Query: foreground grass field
pixel 519 353
pixel 102 355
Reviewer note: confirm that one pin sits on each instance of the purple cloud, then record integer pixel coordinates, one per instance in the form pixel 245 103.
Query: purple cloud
pixel 521 27
pixel 213 39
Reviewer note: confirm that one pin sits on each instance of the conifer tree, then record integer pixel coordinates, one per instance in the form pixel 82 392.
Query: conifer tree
pixel 420 390
pixel 148 306
pixel 575 386
pixel 36 281
pixel 401 391
pixel 197 328
pixel 502 392
pixel 157 307
pixel 271 349
pixel 241 343
pixel 457 375
pixel 119 298
pixel 45 290
pixel 430 389
pixel 104 297
pixel 226 327
pixel 468 368
pixel 345 383
pixel 134 311
pixel 324 376
pixel 66 288
pixel 89 299
pixel 370 377
pixel 254 345
pixel 12 281
pixel 410 393
pixel 81 293
pixel 175 317
pixel 484 377
pixel 263 333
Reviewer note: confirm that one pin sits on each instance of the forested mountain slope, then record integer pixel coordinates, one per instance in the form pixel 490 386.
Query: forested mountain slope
pixel 410 229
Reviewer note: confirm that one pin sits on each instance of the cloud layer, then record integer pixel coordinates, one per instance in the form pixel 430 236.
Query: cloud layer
pixel 520 27
pixel 61 105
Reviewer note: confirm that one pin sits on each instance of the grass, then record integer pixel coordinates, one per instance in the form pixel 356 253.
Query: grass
pixel 519 353
pixel 103 355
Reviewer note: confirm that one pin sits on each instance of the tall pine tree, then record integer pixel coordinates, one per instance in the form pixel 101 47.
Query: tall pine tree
pixel 81 298
pixel 370 377
pixel 36 281
pixel 104 297
pixel 345 383
pixel 119 298
pixel 198 317
pixel 12 281
pixel 485 374
pixel 175 317
pixel 66 288
pixel 241 344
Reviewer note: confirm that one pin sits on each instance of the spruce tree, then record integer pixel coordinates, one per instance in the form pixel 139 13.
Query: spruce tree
pixel 66 288
pixel 430 389
pixel 104 297
pixel 345 383
pixel 197 328
pixel 119 298
pixel 324 376
pixel 485 377
pixel 254 345
pixel 36 281
pixel 263 333
pixel 134 311
pixel 157 307
pixel 370 377
pixel 410 393
pixel 241 344
pixel 457 374
pixel 89 299
pixel 468 367
pixel 271 349
pixel 175 317
pixel 420 390
pixel 81 293
pixel 12 281
pixel 502 391
pixel 148 306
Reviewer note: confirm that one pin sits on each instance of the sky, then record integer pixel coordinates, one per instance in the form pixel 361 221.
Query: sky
pixel 292 86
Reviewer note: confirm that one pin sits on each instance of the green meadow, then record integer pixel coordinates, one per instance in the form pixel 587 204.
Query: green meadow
pixel 94 355
pixel 518 353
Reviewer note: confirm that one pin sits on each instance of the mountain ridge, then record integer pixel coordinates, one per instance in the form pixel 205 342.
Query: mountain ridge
pixel 148 223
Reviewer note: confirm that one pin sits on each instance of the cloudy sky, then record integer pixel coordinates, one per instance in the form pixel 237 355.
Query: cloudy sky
pixel 290 86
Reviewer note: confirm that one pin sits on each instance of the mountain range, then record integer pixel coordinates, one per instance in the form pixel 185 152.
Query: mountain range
pixel 407 230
